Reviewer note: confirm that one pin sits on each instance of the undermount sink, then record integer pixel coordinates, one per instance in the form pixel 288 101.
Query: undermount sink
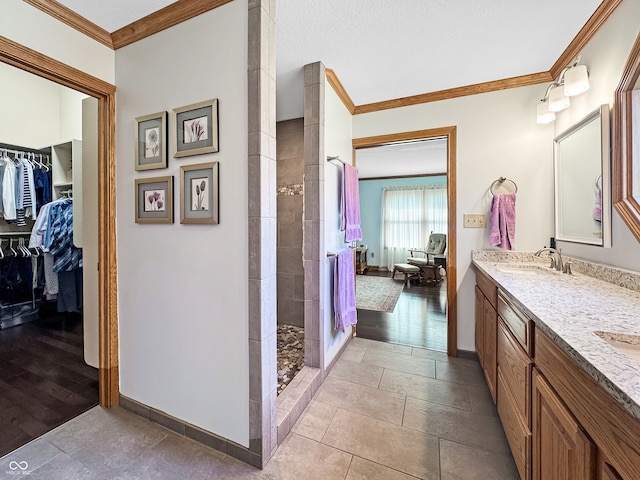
pixel 526 269
pixel 629 345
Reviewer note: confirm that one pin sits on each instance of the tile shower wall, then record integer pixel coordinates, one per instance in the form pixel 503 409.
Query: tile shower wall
pixel 290 171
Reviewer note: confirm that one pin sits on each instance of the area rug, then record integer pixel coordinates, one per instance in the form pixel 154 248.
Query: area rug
pixel 377 293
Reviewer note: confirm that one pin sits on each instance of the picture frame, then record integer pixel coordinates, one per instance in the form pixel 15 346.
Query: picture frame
pixel 154 200
pixel 195 129
pixel 200 193
pixel 151 141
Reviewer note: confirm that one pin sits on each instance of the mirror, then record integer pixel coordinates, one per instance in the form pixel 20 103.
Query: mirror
pixel 582 179
pixel 626 143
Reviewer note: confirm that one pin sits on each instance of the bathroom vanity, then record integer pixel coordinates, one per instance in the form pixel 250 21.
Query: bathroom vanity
pixel 558 354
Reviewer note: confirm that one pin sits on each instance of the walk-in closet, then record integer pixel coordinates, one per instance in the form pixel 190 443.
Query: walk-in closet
pixel 48 250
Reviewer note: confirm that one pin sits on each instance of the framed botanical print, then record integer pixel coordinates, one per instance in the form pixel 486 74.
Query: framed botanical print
pixel 154 200
pixel 151 141
pixel 199 193
pixel 195 129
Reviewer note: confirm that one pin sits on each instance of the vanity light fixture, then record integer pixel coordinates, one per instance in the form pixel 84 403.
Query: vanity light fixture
pixel 576 80
pixel 544 115
pixel 558 101
pixel 573 81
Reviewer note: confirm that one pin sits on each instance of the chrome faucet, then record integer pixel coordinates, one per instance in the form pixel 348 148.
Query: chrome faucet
pixel 556 258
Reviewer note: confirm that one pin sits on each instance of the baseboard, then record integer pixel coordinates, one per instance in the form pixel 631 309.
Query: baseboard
pixel 193 432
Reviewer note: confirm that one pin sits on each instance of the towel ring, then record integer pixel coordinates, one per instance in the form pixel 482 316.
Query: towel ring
pixel 599 183
pixel 500 182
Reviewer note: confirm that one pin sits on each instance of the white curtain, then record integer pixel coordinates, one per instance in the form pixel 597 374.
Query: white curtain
pixel 409 215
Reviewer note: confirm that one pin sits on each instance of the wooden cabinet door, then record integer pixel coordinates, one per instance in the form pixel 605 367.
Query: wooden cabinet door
pixel 479 324
pixel 490 332
pixel 561 449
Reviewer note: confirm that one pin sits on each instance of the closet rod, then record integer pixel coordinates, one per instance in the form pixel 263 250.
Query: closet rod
pixel 15 234
pixel 23 152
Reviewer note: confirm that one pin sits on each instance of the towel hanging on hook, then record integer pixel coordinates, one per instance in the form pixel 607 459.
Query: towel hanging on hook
pixel 501 183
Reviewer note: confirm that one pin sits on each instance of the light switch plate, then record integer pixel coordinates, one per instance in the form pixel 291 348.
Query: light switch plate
pixel 475 220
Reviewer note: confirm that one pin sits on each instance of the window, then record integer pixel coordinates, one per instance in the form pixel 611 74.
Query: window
pixel 409 215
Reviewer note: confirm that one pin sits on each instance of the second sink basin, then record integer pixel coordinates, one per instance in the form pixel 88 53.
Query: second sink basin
pixel 627 344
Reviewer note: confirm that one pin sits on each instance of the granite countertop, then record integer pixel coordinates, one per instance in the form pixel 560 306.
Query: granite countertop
pixel 571 308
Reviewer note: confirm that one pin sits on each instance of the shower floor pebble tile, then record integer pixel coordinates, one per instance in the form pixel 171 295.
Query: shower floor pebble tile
pixel 290 343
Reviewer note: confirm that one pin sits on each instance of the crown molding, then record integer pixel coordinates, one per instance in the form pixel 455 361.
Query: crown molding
pixel 586 33
pixel 72 19
pixel 333 80
pixel 186 9
pixel 162 19
pixel 486 87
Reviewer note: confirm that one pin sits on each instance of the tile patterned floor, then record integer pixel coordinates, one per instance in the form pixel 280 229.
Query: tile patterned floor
pixel 385 412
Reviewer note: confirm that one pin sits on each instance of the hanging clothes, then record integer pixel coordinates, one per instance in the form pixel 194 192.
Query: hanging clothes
pixel 59 237
pixel 9 190
pixel 37 241
pixel 42 184
pixel 26 193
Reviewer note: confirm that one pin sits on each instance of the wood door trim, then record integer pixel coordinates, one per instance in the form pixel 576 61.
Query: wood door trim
pixel 34 62
pixel 450 134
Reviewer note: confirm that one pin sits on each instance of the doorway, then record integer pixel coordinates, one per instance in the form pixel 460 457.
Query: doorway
pixel 448 134
pixel 48 301
pixel 40 65
pixel 403 208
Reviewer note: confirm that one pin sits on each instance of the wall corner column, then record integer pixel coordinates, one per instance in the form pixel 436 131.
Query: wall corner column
pixel 263 435
pixel 314 255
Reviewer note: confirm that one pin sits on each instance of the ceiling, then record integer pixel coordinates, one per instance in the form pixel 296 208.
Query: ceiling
pixel 387 49
pixel 404 159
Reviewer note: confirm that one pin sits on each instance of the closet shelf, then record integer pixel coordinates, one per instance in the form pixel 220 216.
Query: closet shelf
pixel 65 184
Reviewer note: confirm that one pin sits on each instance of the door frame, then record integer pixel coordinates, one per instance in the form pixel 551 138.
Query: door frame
pixel 31 61
pixel 450 134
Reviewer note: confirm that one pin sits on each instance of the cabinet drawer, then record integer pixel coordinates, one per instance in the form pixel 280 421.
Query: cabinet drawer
pixel 515 367
pixel 518 434
pixel 489 289
pixel 518 323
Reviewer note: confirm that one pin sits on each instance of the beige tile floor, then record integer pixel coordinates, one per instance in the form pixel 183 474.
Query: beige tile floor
pixel 385 412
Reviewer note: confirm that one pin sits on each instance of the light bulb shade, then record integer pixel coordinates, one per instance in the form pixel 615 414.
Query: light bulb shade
pixel 576 80
pixel 544 115
pixel 557 100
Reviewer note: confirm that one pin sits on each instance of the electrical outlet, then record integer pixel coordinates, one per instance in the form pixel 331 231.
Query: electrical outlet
pixel 475 220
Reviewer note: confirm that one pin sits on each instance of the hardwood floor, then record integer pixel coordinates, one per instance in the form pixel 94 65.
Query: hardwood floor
pixel 44 380
pixel 419 319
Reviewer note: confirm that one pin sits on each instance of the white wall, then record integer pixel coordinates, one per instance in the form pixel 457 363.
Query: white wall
pixel 71 114
pixel 30 109
pixel 39 31
pixel 605 56
pixel 183 301
pixel 35 112
pixel 338 124
pixel 497 135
